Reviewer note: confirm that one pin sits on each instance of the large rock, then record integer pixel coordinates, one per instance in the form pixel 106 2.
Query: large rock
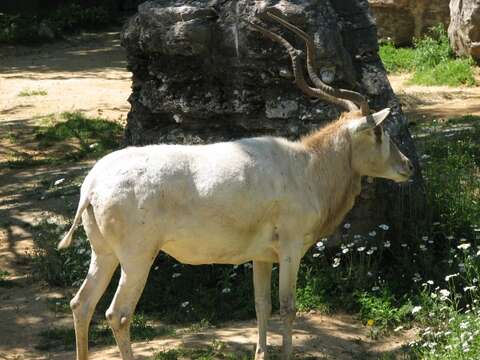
pixel 201 74
pixel 402 20
pixel 464 29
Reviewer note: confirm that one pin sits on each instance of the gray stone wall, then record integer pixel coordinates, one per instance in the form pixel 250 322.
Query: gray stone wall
pixel 403 20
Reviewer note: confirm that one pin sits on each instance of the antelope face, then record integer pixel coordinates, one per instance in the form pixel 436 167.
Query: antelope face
pixel 374 153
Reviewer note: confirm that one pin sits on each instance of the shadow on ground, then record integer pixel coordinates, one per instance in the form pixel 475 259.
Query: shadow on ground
pixel 77 57
pixel 315 337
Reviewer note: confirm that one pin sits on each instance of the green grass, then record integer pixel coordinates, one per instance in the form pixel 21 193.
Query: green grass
pixel 450 316
pixel 25 161
pixel 453 72
pixel 100 334
pixel 397 60
pixel 452 170
pixel 382 311
pixel 79 136
pixel 59 305
pixel 28 92
pixel 311 298
pixel 431 60
pixel 94 135
pixel 449 301
pixel 432 49
pixel 457 339
pixel 199 326
pixel 59 268
pixel 214 351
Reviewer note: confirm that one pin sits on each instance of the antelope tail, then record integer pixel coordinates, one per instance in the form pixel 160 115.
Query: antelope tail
pixel 82 205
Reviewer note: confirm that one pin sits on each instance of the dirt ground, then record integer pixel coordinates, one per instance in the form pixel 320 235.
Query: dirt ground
pixel 438 102
pixel 88 73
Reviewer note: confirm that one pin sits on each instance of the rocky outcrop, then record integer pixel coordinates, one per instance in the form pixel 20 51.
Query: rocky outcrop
pixel 464 29
pixel 402 20
pixel 201 74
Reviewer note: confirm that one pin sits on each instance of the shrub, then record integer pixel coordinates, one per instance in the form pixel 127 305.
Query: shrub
pixel 66 19
pixel 18 29
pixel 72 17
pixel 433 49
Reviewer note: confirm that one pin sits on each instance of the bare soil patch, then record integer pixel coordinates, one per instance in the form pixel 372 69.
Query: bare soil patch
pixel 338 337
pixel 435 102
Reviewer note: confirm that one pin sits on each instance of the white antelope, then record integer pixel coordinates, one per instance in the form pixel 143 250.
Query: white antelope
pixel 263 199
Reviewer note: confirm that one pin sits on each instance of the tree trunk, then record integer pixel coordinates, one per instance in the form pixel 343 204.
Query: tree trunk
pixel 201 74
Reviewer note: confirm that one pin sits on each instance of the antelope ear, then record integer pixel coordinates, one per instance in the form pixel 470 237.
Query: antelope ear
pixel 368 122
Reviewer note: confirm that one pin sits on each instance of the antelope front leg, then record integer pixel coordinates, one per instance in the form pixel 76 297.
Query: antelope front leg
pixel 262 275
pixel 289 263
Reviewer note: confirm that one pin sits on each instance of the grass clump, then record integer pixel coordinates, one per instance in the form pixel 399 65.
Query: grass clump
pixel 95 136
pixel 310 297
pixel 28 92
pixel 214 351
pixel 71 136
pixel 100 334
pixel 453 72
pixel 382 311
pixel 431 60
